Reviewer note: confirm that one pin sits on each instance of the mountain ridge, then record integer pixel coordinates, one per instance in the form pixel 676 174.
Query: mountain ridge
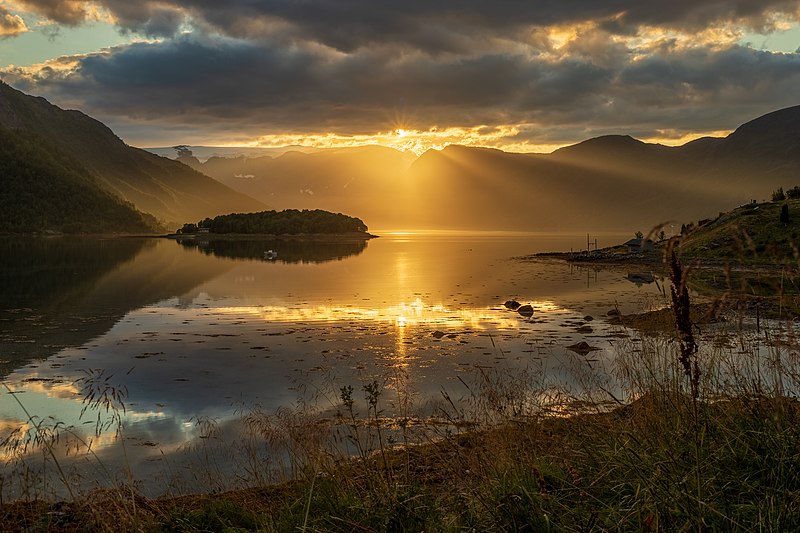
pixel 606 183
pixel 612 182
pixel 166 189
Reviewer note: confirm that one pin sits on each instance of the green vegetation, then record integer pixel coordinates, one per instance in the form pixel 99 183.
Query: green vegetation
pixel 45 190
pixel 287 222
pixel 766 233
pixel 165 189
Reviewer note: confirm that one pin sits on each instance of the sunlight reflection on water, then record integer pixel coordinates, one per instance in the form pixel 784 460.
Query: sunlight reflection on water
pixel 193 334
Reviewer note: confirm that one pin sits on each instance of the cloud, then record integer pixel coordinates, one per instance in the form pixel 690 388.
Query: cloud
pixel 265 89
pixel 544 73
pixel 11 24
pixel 441 26
pixel 67 12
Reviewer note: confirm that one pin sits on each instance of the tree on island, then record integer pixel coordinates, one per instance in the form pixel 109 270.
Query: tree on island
pixel 289 221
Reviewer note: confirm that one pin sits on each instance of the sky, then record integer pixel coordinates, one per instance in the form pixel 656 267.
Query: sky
pixel 519 75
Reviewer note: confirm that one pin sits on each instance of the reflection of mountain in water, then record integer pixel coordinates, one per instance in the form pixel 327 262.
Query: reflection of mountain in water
pixel 59 292
pixel 288 251
pixel 46 273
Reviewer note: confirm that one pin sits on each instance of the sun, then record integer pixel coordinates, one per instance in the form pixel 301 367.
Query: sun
pixel 402 133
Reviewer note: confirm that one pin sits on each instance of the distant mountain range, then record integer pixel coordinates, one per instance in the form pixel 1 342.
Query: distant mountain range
pixel 203 153
pixel 610 183
pixel 363 180
pixel 91 157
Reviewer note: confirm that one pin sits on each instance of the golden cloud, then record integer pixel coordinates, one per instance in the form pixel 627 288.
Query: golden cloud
pixel 57 68
pixel 11 24
pixel 69 12
pixel 401 138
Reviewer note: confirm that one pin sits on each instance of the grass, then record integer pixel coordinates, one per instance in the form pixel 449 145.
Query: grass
pixel 630 469
pixel 751 234
pixel 704 440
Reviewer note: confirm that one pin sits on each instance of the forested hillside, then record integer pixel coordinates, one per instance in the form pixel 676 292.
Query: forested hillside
pixel 45 190
pixel 166 189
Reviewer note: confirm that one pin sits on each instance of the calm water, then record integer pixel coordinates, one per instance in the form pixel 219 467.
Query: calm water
pixel 194 335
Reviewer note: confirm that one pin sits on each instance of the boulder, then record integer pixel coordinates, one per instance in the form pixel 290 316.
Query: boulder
pixel 582 348
pixel 525 310
pixel 512 304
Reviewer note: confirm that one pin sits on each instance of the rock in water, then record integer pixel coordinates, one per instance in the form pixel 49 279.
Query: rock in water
pixel 512 304
pixel 525 310
pixel 437 334
pixel 582 348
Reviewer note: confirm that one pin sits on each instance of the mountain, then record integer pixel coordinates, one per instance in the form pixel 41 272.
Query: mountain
pixel 490 189
pixel 166 189
pixel 46 190
pixel 203 153
pixel 609 183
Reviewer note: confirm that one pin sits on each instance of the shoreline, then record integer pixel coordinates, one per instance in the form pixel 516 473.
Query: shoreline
pixel 606 257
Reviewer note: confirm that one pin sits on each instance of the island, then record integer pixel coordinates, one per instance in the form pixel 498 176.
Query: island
pixel 308 224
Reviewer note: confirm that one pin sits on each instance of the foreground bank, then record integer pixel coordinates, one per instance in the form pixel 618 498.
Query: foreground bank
pixel 658 464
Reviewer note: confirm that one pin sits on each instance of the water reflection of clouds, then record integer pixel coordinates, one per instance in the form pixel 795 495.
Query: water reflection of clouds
pixel 66 408
pixel 265 334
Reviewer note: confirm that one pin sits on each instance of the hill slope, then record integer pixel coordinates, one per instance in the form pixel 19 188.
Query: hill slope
pixel 167 189
pixel 45 190
pixel 752 233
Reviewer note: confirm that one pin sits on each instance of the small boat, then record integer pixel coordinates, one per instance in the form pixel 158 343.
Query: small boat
pixel 270 254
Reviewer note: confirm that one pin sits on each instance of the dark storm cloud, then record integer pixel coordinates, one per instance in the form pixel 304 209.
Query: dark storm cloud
pixel 236 85
pixel 739 74
pixel 257 67
pixel 443 25
pixel 349 24
pixel 233 81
